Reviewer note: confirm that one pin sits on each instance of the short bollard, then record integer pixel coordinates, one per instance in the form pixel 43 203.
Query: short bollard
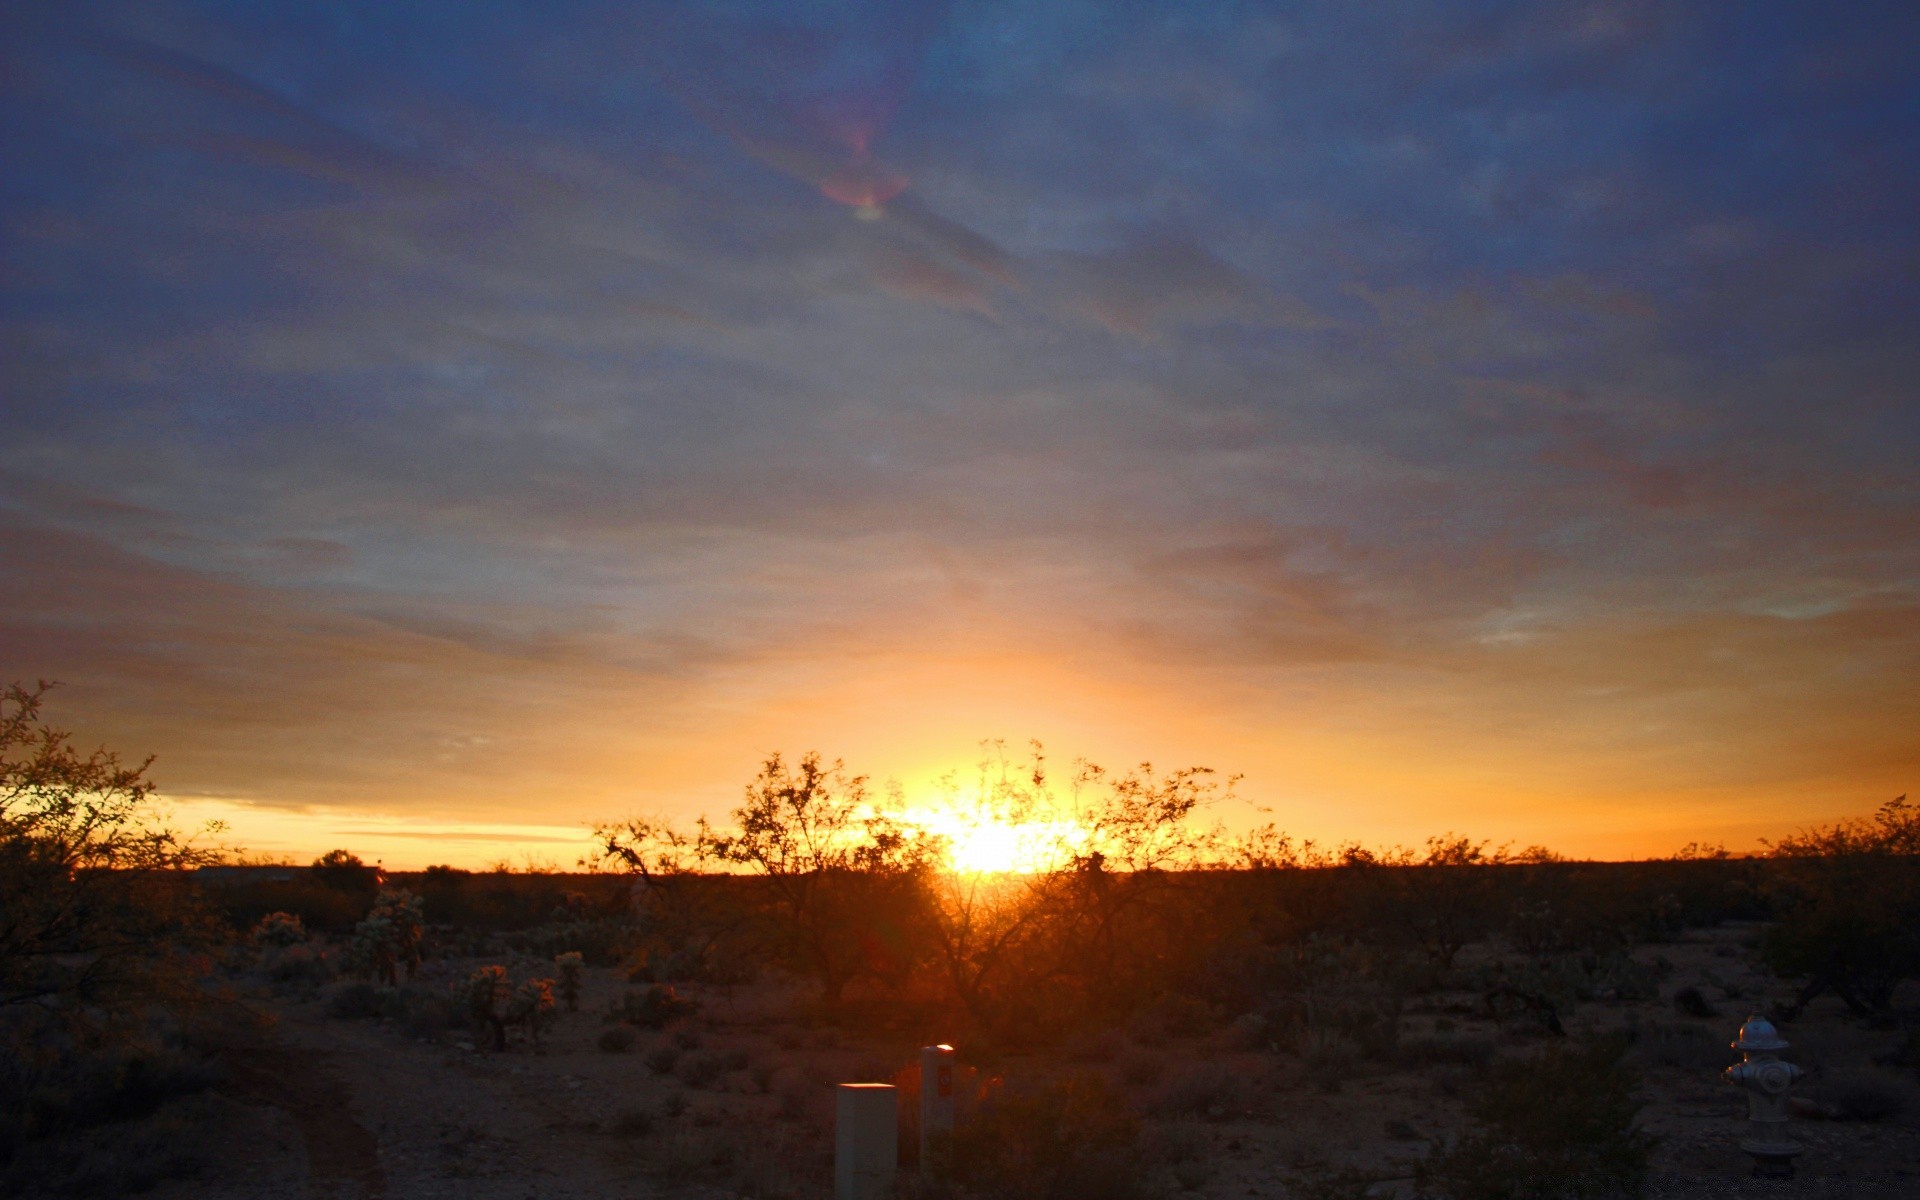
pixel 866 1141
pixel 936 1107
pixel 1767 1081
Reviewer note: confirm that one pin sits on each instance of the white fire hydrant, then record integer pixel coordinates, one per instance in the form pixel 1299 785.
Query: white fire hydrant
pixel 1767 1081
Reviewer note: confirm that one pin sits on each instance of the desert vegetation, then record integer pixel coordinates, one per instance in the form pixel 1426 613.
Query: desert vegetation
pixel 1148 1006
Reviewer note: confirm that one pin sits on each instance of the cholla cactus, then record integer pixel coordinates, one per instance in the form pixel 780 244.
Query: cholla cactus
pixel 279 929
pixel 570 964
pixel 389 936
pixel 488 993
pixel 532 1007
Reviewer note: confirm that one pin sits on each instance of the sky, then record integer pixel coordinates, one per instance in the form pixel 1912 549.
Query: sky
pixel 428 428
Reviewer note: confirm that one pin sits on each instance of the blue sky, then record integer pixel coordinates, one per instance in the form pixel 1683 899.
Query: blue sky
pixel 1482 416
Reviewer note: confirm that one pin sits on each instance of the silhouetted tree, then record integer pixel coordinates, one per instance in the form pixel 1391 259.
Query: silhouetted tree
pixel 94 914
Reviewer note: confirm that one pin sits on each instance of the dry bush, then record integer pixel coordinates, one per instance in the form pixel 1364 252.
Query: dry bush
pixel 1849 899
pixel 1861 1096
pixel 699 1070
pixel 358 1002
pixel 570 965
pixel 655 1008
pixel 617 1040
pixel 1691 1048
pixel 1074 1139
pixel 1206 1091
pixel 1471 1050
pixel 105 1120
pixel 800 1098
pixel 388 938
pixel 1562 1124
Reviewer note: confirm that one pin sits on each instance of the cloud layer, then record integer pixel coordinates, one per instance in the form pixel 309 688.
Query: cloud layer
pixel 1485 416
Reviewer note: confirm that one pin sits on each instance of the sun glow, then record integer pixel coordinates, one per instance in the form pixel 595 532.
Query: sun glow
pixel 987 846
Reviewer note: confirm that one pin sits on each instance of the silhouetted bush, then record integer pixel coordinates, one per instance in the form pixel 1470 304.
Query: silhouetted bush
pixel 654 1008
pixel 1863 1097
pixel 1203 1090
pixel 1559 1124
pixel 699 1070
pixel 617 1040
pixel 358 1002
pixel 1443 1048
pixel 99 1122
pixel 1074 1139
pixel 1849 898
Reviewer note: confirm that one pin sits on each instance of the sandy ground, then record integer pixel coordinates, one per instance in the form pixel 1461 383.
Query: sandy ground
pixel 322 1107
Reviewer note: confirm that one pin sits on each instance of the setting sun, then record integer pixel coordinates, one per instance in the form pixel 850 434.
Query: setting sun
pixel 990 846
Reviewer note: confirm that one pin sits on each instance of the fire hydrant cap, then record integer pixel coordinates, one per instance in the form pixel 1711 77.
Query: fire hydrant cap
pixel 1759 1034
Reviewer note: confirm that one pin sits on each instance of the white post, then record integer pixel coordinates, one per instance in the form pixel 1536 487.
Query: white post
pixel 866 1141
pixel 936 1104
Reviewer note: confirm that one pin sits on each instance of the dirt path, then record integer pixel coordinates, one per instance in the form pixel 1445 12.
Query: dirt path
pixel 343 1155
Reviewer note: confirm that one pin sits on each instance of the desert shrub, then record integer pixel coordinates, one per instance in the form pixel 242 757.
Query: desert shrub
pixel 570 969
pixel 617 1040
pixel 278 929
pixel 1688 1048
pixel 633 1123
pixel 689 1155
pixel 699 1070
pixel 428 1014
pixel 1690 1002
pixel 1330 1058
pixel 1559 1124
pixel 97 1120
pixel 301 964
pixel 487 992
pixel 654 1008
pixel 112 1160
pixel 1863 1097
pixel 358 1002
pixel 531 1008
pixel 1443 1048
pixel 1251 1031
pixel 600 941
pixel 1849 902
pixel 1074 1139
pixel 662 1059
pixel 798 1097
pixel 1175 1016
pixel 388 937
pixel 1201 1090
